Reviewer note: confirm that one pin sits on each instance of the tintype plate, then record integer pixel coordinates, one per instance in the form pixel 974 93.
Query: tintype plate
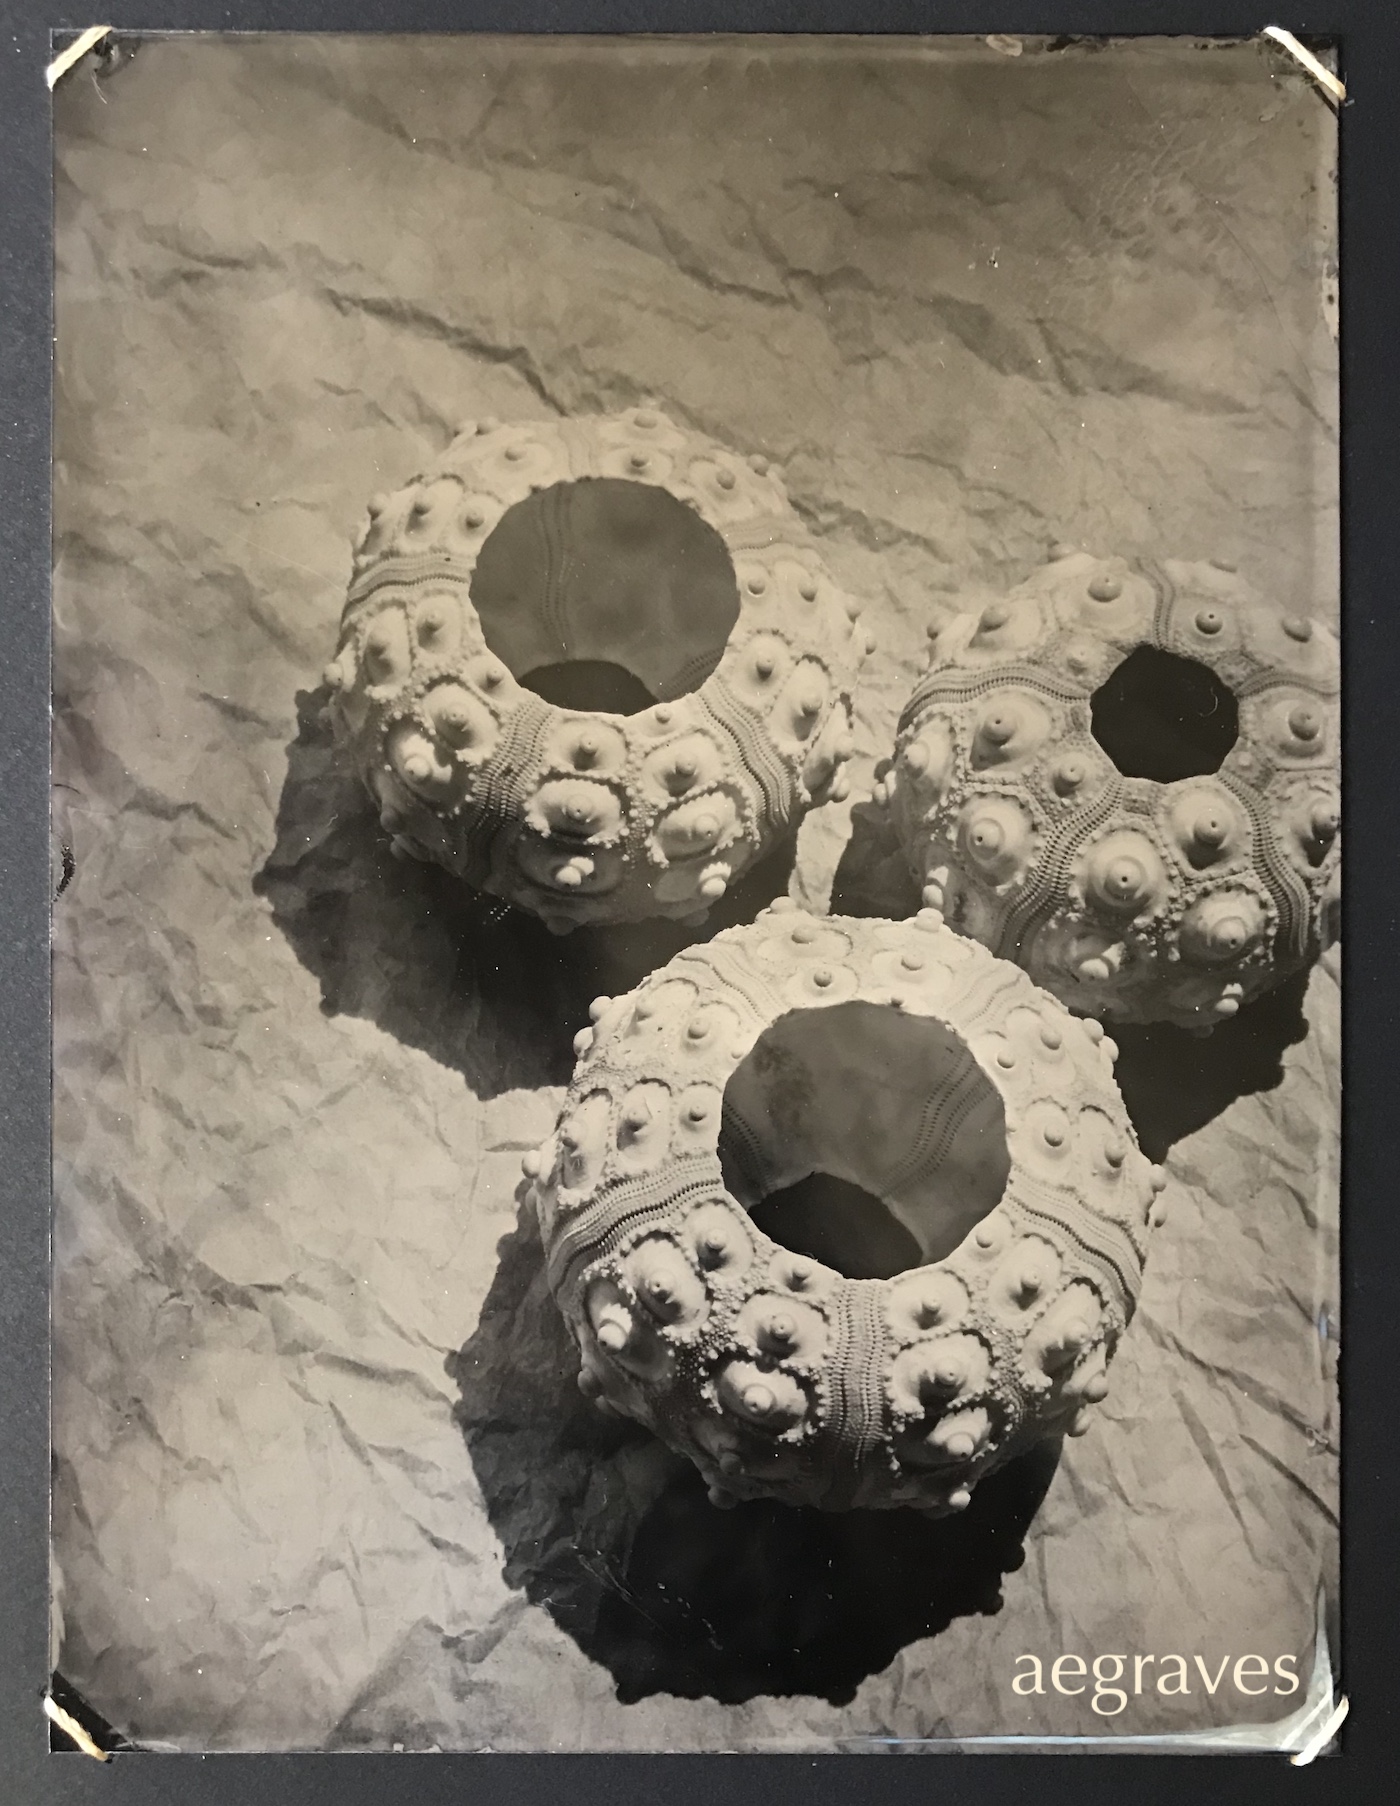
pixel 984 309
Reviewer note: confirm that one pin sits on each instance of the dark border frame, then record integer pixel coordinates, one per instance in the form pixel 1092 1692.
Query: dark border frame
pixel 1367 36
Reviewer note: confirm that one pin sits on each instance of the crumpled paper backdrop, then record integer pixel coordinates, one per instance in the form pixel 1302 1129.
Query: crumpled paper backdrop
pixel 323 1476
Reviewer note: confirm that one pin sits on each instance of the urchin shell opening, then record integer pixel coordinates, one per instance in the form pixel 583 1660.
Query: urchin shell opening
pixel 864 1138
pixel 1163 717
pixel 605 595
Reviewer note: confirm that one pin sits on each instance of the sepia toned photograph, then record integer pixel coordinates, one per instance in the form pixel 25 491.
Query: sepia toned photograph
pixel 697 815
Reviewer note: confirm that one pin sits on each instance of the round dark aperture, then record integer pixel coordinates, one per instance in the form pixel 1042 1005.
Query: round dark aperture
pixel 840 1224
pixel 590 684
pixel 1163 717
pixel 606 595
pixel 863 1137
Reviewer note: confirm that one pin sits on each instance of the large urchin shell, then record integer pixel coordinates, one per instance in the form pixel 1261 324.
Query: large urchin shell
pixel 1128 898
pixel 588 816
pixel 774 1374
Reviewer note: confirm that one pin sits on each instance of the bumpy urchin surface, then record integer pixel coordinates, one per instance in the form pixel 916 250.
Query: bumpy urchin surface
pixel 587 815
pixel 980 1111
pixel 1128 897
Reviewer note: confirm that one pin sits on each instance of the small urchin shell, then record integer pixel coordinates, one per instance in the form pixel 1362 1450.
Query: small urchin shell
pixel 720 1080
pixel 1129 898
pixel 587 815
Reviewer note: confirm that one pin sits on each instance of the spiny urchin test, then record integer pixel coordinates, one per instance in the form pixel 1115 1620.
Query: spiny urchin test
pixel 595 666
pixel 1125 778
pixel 903 1059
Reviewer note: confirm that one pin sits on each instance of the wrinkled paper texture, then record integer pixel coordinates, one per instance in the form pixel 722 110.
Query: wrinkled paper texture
pixel 323 1477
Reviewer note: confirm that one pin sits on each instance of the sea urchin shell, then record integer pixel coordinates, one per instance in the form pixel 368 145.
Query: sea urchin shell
pixel 1124 778
pixel 895 1057
pixel 594 666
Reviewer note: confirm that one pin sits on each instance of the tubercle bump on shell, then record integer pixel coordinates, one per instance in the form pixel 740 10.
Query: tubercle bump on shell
pixel 475 765
pixel 1126 897
pixel 774 1374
